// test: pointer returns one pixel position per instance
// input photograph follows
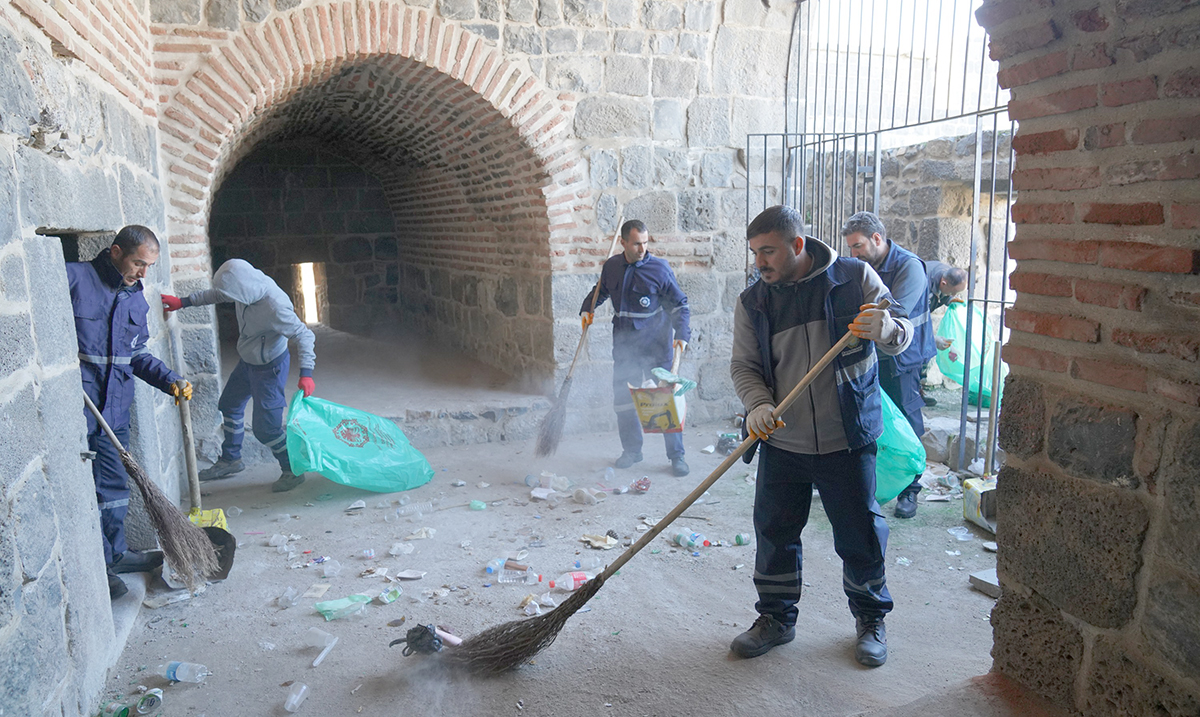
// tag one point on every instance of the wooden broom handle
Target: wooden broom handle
(103, 423)
(595, 298)
(732, 458)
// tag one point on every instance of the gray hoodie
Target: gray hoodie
(266, 318)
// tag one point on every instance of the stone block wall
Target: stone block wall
(1099, 537)
(77, 155)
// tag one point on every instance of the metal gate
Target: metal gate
(870, 82)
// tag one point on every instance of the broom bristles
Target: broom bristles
(512, 644)
(184, 545)
(551, 430)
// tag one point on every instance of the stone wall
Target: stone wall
(77, 155)
(1099, 536)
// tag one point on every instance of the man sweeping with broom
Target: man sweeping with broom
(648, 307)
(266, 320)
(110, 326)
(783, 324)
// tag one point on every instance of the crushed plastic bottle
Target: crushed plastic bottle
(295, 697)
(570, 582)
(183, 671)
(590, 562)
(401, 549)
(691, 540)
(415, 508)
(493, 567)
(516, 572)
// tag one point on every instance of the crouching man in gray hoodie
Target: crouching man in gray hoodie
(266, 320)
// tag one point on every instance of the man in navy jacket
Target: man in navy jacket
(649, 306)
(899, 376)
(110, 325)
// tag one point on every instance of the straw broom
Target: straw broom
(513, 643)
(550, 432)
(184, 545)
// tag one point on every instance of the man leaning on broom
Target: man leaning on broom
(110, 326)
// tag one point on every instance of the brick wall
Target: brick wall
(1099, 542)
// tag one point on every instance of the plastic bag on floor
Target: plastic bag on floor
(954, 327)
(352, 447)
(900, 455)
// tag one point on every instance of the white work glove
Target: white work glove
(874, 324)
(679, 345)
(759, 422)
(942, 344)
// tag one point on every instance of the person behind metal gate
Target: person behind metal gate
(945, 284)
(648, 307)
(111, 329)
(266, 320)
(900, 376)
(805, 300)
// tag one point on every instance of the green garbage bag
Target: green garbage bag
(352, 447)
(983, 351)
(900, 455)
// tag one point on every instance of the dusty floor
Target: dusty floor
(655, 641)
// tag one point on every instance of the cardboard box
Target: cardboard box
(979, 502)
(658, 409)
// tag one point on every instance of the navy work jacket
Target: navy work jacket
(912, 295)
(647, 304)
(110, 324)
(857, 365)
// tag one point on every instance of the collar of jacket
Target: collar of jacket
(639, 262)
(891, 262)
(108, 273)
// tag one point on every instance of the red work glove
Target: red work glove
(307, 385)
(171, 303)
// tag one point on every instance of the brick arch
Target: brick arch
(232, 89)
(467, 144)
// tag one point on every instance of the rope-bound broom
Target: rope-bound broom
(185, 546)
(513, 643)
(551, 429)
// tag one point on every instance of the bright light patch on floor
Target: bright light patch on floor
(308, 287)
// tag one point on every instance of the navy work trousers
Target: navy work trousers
(265, 385)
(905, 391)
(112, 489)
(631, 366)
(782, 499)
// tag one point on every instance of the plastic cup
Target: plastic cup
(295, 697)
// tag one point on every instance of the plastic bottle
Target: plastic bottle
(571, 581)
(494, 566)
(295, 697)
(691, 540)
(414, 508)
(610, 476)
(589, 562)
(183, 671)
(743, 539)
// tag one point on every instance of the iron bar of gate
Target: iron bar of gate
(971, 279)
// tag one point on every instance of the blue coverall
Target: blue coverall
(648, 306)
(110, 325)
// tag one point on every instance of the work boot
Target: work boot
(871, 649)
(930, 401)
(116, 586)
(286, 482)
(222, 469)
(679, 466)
(134, 561)
(627, 459)
(765, 633)
(906, 502)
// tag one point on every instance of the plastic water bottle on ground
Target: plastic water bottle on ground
(295, 696)
(691, 540)
(415, 508)
(588, 562)
(570, 582)
(743, 539)
(494, 567)
(183, 671)
(610, 476)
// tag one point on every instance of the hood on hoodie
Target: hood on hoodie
(239, 281)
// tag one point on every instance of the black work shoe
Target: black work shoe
(116, 586)
(871, 649)
(679, 466)
(286, 482)
(222, 469)
(930, 401)
(627, 459)
(765, 633)
(133, 561)
(906, 503)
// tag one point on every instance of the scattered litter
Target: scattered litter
(547, 600)
(356, 506)
(542, 493)
(315, 590)
(961, 532)
(743, 539)
(368, 553)
(477, 505)
(383, 504)
(277, 540)
(376, 572)
(266, 646)
(282, 517)
(588, 496)
(483, 484)
(330, 568)
(233, 511)
(389, 596)
(401, 549)
(600, 542)
(708, 449)
(396, 623)
(410, 574)
(295, 696)
(750, 478)
(459, 484)
(289, 598)
(739, 566)
(938, 498)
(986, 582)
(465, 544)
(953, 552)
(334, 609)
(990, 546)
(316, 637)
(156, 601)
(422, 534)
(641, 485)
(903, 561)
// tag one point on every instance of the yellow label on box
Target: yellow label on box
(209, 518)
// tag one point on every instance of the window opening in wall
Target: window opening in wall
(309, 292)
(308, 289)
(893, 106)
